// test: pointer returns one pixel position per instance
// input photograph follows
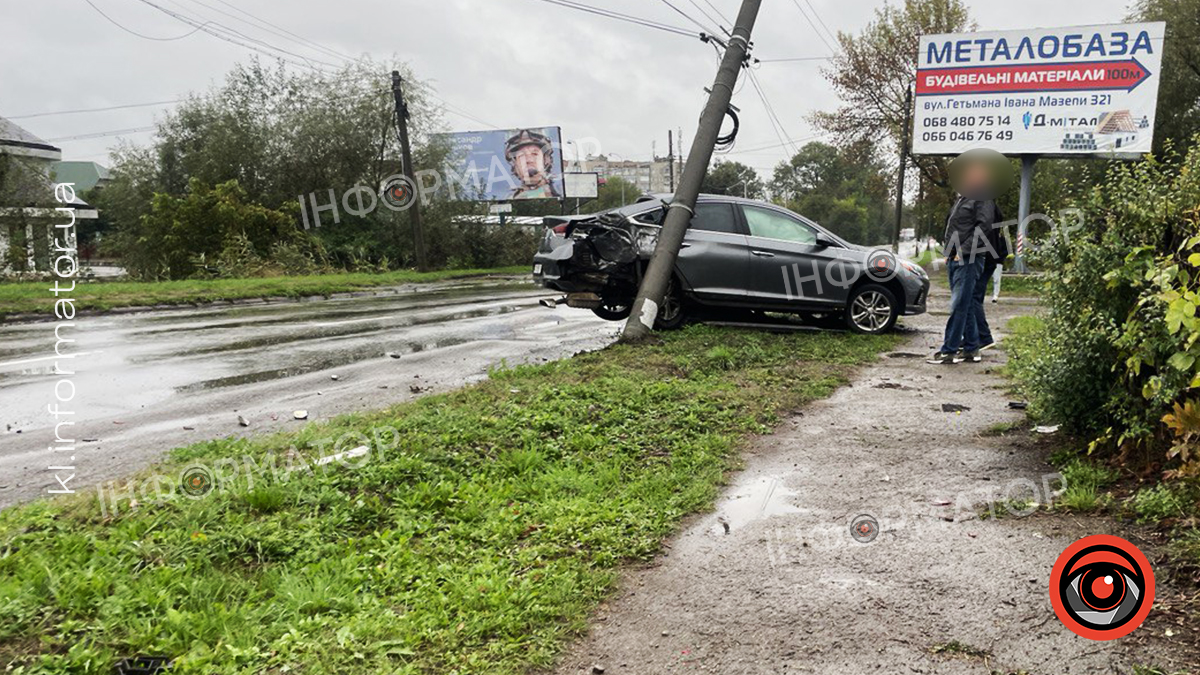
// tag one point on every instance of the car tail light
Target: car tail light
(560, 229)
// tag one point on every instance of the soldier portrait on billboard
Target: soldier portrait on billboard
(531, 156)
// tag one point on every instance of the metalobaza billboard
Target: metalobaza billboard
(504, 165)
(1084, 90)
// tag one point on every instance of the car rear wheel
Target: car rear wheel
(671, 314)
(613, 310)
(872, 309)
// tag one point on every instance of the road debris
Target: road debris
(242, 421)
(300, 414)
(1046, 429)
(954, 408)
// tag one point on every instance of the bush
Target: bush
(182, 236)
(1119, 350)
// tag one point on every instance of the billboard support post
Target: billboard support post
(1027, 162)
(683, 204)
(904, 131)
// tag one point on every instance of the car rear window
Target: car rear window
(715, 217)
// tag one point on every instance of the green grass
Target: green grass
(476, 545)
(1020, 286)
(32, 297)
(960, 649)
(1083, 479)
(1163, 501)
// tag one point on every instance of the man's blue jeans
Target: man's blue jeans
(981, 322)
(962, 332)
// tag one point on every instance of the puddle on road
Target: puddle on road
(374, 325)
(760, 499)
(326, 362)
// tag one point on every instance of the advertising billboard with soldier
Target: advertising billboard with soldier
(504, 165)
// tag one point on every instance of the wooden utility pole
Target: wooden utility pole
(671, 159)
(683, 205)
(406, 157)
(903, 165)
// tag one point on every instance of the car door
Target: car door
(714, 259)
(787, 265)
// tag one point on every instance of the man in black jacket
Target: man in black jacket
(970, 222)
(998, 244)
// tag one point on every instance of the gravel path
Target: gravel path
(772, 582)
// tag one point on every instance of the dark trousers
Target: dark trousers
(981, 322)
(962, 332)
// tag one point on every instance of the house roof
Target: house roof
(16, 140)
(85, 175)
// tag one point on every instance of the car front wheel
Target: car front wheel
(872, 309)
(613, 310)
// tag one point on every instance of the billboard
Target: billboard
(1085, 90)
(582, 185)
(503, 165)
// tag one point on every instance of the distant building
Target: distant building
(649, 175)
(84, 175)
(27, 200)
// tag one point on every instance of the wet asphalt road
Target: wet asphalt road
(143, 377)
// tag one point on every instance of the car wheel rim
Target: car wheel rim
(870, 311)
(671, 306)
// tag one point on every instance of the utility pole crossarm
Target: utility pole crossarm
(683, 204)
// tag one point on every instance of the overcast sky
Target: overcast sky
(508, 62)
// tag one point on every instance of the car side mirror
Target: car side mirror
(825, 242)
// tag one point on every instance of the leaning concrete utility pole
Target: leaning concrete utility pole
(406, 157)
(683, 204)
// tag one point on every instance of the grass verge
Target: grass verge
(476, 544)
(28, 297)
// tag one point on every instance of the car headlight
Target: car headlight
(914, 268)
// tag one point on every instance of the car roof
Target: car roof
(645, 201)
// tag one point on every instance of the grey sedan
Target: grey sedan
(737, 253)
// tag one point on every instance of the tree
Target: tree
(733, 178)
(614, 192)
(282, 135)
(1178, 116)
(873, 71)
(846, 190)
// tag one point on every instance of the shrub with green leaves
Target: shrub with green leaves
(1119, 346)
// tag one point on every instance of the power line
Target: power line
(714, 8)
(819, 20)
(689, 17)
(227, 38)
(622, 17)
(794, 58)
(91, 110)
(133, 32)
(810, 22)
(707, 16)
(273, 29)
(101, 134)
(788, 142)
(776, 124)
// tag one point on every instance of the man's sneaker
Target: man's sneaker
(972, 356)
(988, 345)
(945, 358)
